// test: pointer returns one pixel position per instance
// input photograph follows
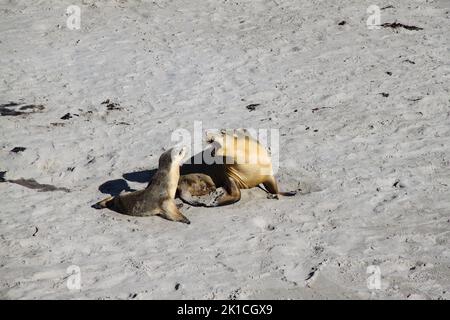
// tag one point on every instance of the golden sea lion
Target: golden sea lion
(240, 162)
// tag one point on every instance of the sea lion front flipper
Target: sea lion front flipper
(271, 185)
(171, 212)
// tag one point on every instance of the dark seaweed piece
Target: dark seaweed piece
(252, 107)
(67, 116)
(10, 104)
(18, 149)
(7, 109)
(32, 107)
(396, 25)
(113, 106)
(319, 108)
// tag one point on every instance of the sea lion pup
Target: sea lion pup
(158, 197)
(240, 162)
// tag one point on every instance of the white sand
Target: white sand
(169, 63)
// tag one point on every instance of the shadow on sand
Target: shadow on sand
(115, 187)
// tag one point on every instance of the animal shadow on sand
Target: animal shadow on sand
(116, 186)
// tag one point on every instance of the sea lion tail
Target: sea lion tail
(103, 203)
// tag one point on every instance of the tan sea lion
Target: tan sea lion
(158, 197)
(243, 164)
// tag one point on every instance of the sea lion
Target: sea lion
(158, 197)
(240, 162)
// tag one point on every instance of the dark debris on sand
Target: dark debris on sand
(18, 149)
(111, 105)
(17, 109)
(396, 25)
(69, 115)
(252, 107)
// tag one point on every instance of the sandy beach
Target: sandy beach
(363, 116)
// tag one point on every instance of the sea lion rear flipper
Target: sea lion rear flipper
(102, 204)
(272, 187)
(231, 195)
(171, 212)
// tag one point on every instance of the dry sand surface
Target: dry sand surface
(364, 120)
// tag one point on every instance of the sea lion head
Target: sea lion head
(219, 136)
(217, 139)
(239, 146)
(178, 153)
(225, 142)
(172, 156)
